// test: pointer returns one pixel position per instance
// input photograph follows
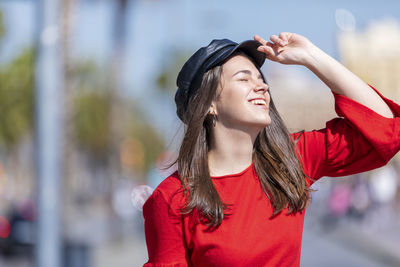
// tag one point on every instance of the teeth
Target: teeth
(258, 102)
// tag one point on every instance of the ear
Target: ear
(212, 109)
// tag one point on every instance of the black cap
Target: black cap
(205, 58)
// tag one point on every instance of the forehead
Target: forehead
(238, 62)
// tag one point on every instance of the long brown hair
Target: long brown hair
(275, 161)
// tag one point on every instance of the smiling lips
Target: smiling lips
(259, 102)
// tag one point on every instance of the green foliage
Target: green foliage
(92, 121)
(166, 79)
(150, 139)
(92, 118)
(90, 109)
(16, 98)
(86, 75)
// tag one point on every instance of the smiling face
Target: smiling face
(242, 96)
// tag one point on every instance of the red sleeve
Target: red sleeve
(164, 233)
(360, 141)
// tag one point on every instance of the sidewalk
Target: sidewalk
(351, 244)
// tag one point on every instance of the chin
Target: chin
(262, 123)
(265, 121)
(258, 122)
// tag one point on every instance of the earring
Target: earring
(214, 119)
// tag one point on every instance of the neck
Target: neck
(230, 150)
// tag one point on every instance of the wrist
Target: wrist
(313, 55)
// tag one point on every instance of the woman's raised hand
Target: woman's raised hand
(292, 48)
(287, 48)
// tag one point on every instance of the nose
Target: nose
(261, 86)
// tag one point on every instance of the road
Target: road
(345, 245)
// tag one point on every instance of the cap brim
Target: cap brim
(250, 48)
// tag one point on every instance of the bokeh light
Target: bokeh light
(139, 195)
(5, 227)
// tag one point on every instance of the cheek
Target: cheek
(233, 107)
(235, 93)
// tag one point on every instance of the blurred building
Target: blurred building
(374, 55)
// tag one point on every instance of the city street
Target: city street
(345, 245)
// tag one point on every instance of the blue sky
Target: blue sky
(158, 26)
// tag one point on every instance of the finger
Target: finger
(259, 39)
(284, 36)
(262, 47)
(269, 52)
(277, 40)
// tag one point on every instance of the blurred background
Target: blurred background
(115, 67)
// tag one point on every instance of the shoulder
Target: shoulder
(170, 185)
(169, 192)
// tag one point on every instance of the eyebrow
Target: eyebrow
(246, 72)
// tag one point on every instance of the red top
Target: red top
(362, 140)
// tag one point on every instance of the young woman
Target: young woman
(243, 181)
